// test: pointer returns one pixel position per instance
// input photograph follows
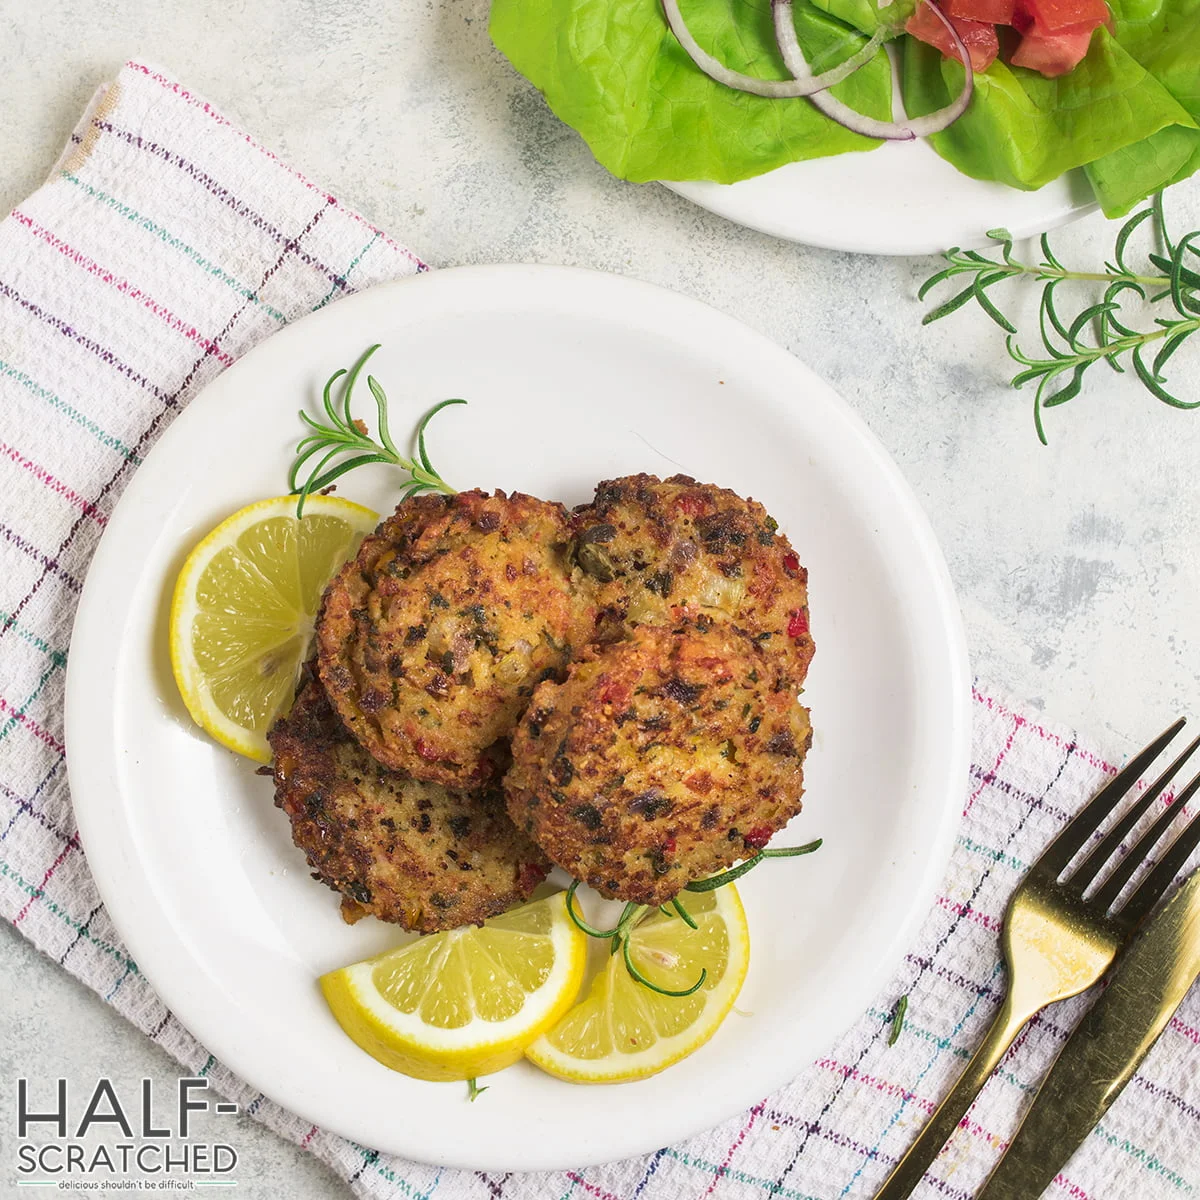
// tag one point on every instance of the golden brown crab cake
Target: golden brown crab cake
(433, 638)
(660, 759)
(396, 848)
(653, 548)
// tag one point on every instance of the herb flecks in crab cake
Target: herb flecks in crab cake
(404, 851)
(660, 759)
(432, 640)
(652, 549)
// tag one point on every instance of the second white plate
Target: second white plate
(898, 199)
(572, 377)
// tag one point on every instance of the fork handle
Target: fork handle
(910, 1170)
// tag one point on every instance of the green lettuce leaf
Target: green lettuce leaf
(1025, 130)
(1129, 113)
(613, 71)
(1124, 178)
(867, 16)
(1164, 37)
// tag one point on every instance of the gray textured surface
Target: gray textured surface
(1076, 564)
(52, 1027)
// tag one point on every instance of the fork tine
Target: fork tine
(1094, 863)
(1111, 888)
(1067, 844)
(1155, 885)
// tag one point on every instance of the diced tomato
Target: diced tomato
(1060, 16)
(978, 36)
(614, 692)
(1052, 54)
(995, 12)
(529, 875)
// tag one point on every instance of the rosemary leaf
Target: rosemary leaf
(1127, 231)
(579, 922)
(688, 919)
(716, 881)
(951, 305)
(638, 977)
(983, 282)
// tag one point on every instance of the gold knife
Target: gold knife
(1147, 986)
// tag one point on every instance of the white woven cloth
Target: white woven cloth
(165, 244)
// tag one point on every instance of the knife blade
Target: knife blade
(1146, 987)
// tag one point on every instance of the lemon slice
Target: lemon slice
(467, 1002)
(243, 612)
(623, 1030)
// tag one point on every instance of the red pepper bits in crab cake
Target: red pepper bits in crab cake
(656, 548)
(660, 759)
(398, 849)
(432, 640)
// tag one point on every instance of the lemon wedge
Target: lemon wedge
(623, 1030)
(243, 611)
(467, 1002)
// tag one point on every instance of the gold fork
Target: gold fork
(1056, 942)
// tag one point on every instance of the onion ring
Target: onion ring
(773, 89)
(843, 114)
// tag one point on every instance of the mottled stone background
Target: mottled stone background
(1076, 564)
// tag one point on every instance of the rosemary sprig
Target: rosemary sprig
(618, 937)
(1098, 332)
(346, 435)
(474, 1091)
(631, 914)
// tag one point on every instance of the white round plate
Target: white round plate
(572, 377)
(898, 199)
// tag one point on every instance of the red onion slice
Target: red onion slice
(843, 114)
(831, 106)
(807, 84)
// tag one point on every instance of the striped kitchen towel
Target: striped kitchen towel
(164, 245)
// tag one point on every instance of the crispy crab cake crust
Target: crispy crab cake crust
(404, 851)
(433, 638)
(651, 549)
(660, 759)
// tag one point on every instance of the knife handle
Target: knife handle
(909, 1171)
(1053, 1128)
(1107, 1047)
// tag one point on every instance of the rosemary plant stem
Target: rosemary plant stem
(1097, 331)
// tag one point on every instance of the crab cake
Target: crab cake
(401, 850)
(652, 547)
(432, 640)
(660, 759)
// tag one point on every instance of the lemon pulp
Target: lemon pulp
(466, 1002)
(623, 1030)
(244, 607)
